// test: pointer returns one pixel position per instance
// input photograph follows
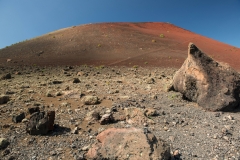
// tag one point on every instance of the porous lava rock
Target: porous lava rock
(128, 143)
(212, 85)
(40, 123)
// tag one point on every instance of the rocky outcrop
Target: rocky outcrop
(212, 85)
(40, 123)
(128, 143)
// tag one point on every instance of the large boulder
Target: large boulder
(128, 143)
(212, 85)
(40, 123)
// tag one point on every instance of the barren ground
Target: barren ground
(125, 65)
(196, 133)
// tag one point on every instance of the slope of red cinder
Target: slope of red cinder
(115, 44)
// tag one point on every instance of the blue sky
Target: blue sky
(26, 19)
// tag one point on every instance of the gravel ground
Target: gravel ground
(186, 127)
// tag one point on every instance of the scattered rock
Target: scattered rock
(6, 76)
(136, 116)
(106, 119)
(9, 60)
(48, 94)
(40, 123)
(212, 85)
(3, 143)
(92, 116)
(150, 112)
(76, 80)
(150, 81)
(131, 143)
(57, 82)
(18, 118)
(4, 99)
(32, 110)
(91, 100)
(75, 130)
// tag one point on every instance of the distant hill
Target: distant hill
(129, 44)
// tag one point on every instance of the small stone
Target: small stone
(76, 80)
(91, 100)
(32, 110)
(150, 112)
(176, 154)
(85, 148)
(226, 138)
(6, 76)
(18, 118)
(48, 94)
(4, 99)
(165, 128)
(230, 117)
(75, 130)
(215, 136)
(3, 143)
(105, 119)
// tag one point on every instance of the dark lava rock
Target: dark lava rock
(4, 99)
(18, 118)
(6, 76)
(33, 110)
(212, 85)
(3, 143)
(76, 80)
(40, 123)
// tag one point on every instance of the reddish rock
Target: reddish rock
(212, 85)
(128, 143)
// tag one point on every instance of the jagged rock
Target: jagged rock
(128, 143)
(3, 143)
(212, 85)
(91, 100)
(106, 118)
(40, 123)
(6, 76)
(18, 118)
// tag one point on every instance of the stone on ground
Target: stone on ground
(4, 99)
(136, 116)
(128, 143)
(40, 123)
(91, 100)
(3, 143)
(212, 85)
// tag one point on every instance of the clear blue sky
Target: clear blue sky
(25, 19)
